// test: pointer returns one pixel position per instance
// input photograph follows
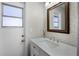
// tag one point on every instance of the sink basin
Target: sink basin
(48, 43)
(59, 50)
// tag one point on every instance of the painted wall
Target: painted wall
(78, 33)
(33, 21)
(68, 38)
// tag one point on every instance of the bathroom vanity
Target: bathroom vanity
(37, 51)
(45, 47)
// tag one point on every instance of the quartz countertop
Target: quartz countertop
(53, 49)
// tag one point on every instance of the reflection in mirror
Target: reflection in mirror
(58, 18)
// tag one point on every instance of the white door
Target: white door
(11, 38)
(12, 41)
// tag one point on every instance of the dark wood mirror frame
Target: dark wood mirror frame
(67, 25)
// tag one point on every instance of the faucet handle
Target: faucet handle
(57, 41)
(50, 38)
(53, 38)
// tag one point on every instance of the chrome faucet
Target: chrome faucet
(54, 39)
(44, 33)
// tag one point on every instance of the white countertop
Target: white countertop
(53, 49)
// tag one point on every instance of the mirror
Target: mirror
(58, 18)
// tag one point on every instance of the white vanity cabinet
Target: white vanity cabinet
(36, 51)
(42, 53)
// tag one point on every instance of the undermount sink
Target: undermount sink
(48, 43)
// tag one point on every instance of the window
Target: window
(12, 16)
(57, 21)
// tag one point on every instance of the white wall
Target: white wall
(72, 37)
(33, 21)
(78, 33)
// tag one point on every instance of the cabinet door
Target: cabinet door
(42, 53)
(34, 50)
(34, 53)
(37, 51)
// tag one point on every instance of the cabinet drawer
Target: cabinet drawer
(34, 47)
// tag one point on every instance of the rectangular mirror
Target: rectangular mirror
(58, 18)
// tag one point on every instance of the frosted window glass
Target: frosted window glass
(56, 25)
(12, 16)
(7, 21)
(55, 19)
(12, 11)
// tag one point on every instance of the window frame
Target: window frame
(11, 16)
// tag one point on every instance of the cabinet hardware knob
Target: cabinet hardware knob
(34, 55)
(33, 46)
